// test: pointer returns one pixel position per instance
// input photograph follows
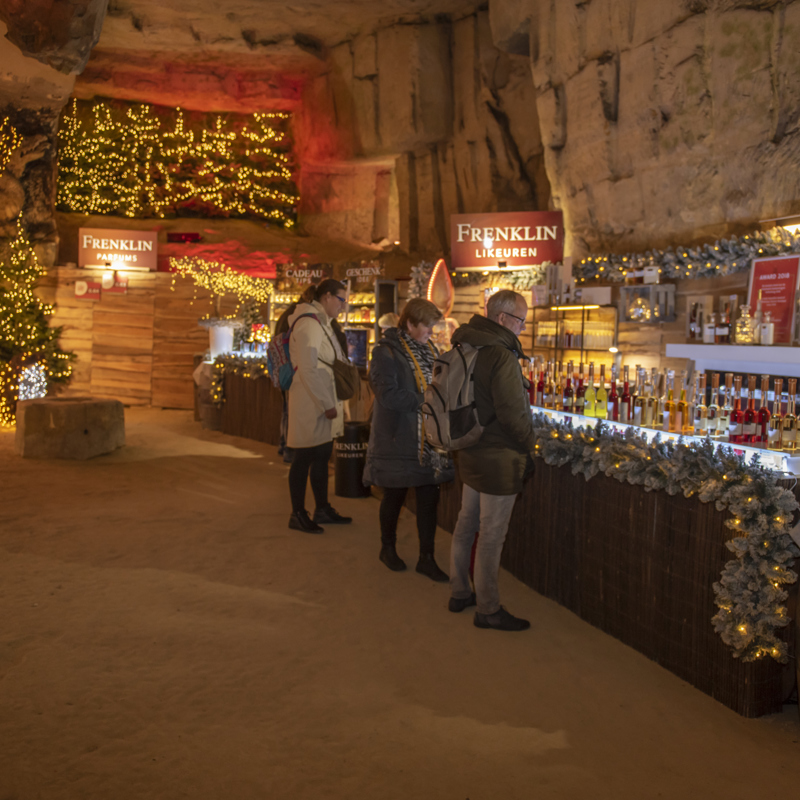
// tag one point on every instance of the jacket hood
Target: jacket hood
(309, 308)
(480, 332)
(391, 338)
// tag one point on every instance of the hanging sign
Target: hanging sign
(364, 273)
(100, 247)
(777, 280)
(512, 240)
(304, 273)
(87, 290)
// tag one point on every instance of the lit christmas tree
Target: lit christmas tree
(26, 340)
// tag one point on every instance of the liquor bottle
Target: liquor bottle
(789, 422)
(750, 423)
(569, 393)
(650, 418)
(538, 395)
(590, 395)
(580, 393)
(549, 387)
(722, 335)
(601, 396)
(762, 421)
(685, 422)
(670, 416)
(713, 407)
(725, 410)
(661, 401)
(767, 328)
(558, 392)
(700, 408)
(776, 418)
(625, 400)
(758, 316)
(531, 386)
(613, 397)
(736, 419)
(710, 329)
(640, 401)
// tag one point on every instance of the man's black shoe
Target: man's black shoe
(429, 568)
(391, 559)
(501, 621)
(300, 521)
(330, 516)
(458, 604)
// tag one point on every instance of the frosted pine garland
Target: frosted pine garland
(750, 593)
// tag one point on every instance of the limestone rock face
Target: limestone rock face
(459, 121)
(59, 34)
(78, 428)
(663, 122)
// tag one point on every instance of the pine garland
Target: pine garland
(749, 594)
(252, 367)
(724, 257)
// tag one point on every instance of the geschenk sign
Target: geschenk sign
(506, 240)
(99, 247)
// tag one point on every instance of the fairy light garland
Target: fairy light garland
(220, 279)
(32, 383)
(723, 257)
(10, 140)
(132, 161)
(229, 364)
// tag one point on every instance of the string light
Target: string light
(132, 161)
(32, 383)
(220, 279)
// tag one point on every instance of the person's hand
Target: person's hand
(331, 413)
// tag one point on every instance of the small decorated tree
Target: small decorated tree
(26, 339)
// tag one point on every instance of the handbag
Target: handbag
(345, 376)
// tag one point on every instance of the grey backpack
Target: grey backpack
(448, 411)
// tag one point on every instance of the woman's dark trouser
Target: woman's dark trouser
(427, 501)
(313, 460)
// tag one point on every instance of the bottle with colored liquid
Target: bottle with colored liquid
(750, 422)
(723, 425)
(700, 408)
(590, 395)
(580, 393)
(736, 418)
(613, 397)
(789, 422)
(713, 407)
(762, 421)
(601, 396)
(568, 402)
(685, 422)
(776, 418)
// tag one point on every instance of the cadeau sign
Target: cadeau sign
(98, 247)
(511, 240)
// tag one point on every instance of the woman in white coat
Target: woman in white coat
(315, 412)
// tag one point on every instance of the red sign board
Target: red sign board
(87, 290)
(100, 247)
(115, 284)
(776, 279)
(511, 240)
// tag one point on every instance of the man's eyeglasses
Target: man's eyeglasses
(521, 319)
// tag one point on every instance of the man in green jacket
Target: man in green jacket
(492, 470)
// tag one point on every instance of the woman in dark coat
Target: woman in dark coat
(398, 456)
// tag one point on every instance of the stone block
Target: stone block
(365, 56)
(466, 77)
(568, 19)
(552, 109)
(76, 427)
(786, 114)
(511, 22)
(365, 111)
(649, 20)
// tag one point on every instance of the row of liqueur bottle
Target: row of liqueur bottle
(664, 401)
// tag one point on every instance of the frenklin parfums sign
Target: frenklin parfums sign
(100, 246)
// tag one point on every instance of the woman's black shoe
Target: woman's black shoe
(391, 559)
(428, 567)
(330, 516)
(300, 521)
(458, 604)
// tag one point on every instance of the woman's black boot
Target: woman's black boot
(300, 521)
(428, 567)
(391, 559)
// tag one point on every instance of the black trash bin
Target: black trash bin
(350, 456)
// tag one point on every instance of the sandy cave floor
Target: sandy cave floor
(164, 635)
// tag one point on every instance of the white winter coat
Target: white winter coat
(313, 389)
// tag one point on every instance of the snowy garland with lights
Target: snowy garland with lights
(724, 257)
(420, 276)
(230, 364)
(749, 594)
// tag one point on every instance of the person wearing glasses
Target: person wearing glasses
(315, 412)
(493, 469)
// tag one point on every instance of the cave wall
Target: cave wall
(663, 122)
(454, 129)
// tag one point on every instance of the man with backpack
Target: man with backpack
(492, 469)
